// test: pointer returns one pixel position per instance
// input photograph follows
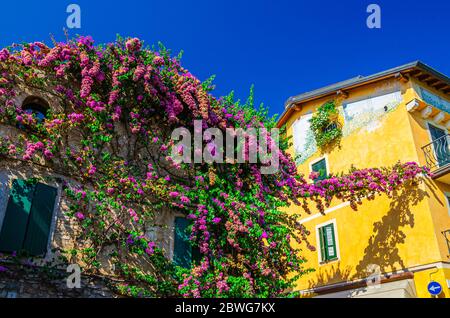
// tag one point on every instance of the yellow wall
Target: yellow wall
(438, 204)
(395, 234)
(422, 278)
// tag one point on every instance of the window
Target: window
(184, 254)
(321, 168)
(330, 127)
(327, 241)
(36, 106)
(26, 225)
(440, 145)
(37, 110)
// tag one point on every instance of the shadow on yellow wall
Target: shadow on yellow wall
(383, 244)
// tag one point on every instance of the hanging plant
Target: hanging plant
(325, 125)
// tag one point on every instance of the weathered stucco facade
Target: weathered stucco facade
(385, 118)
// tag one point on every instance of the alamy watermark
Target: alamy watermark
(251, 145)
(74, 279)
(374, 19)
(73, 21)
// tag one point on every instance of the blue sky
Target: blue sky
(283, 47)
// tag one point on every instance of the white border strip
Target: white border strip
(315, 216)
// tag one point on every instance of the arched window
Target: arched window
(37, 107)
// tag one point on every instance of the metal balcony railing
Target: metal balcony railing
(437, 153)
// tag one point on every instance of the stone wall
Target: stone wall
(64, 230)
(20, 281)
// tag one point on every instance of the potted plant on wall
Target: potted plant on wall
(325, 125)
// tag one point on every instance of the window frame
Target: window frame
(447, 201)
(7, 183)
(432, 123)
(438, 126)
(313, 162)
(320, 246)
(172, 243)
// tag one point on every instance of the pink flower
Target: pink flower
(12, 149)
(138, 74)
(79, 215)
(216, 220)
(133, 44)
(4, 54)
(92, 170)
(76, 118)
(184, 199)
(158, 60)
(48, 154)
(150, 248)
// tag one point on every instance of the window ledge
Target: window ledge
(328, 261)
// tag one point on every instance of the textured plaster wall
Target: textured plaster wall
(395, 234)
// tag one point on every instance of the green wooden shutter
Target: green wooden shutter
(16, 218)
(322, 245)
(182, 252)
(330, 242)
(38, 231)
(321, 168)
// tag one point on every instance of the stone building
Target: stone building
(33, 219)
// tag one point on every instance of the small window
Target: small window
(330, 127)
(26, 225)
(37, 110)
(36, 106)
(321, 168)
(184, 254)
(327, 241)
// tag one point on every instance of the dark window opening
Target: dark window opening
(37, 110)
(37, 107)
(330, 127)
(184, 253)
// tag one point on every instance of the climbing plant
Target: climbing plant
(110, 137)
(325, 125)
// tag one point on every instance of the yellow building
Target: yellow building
(402, 114)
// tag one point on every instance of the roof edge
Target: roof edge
(357, 81)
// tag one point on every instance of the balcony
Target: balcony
(437, 155)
